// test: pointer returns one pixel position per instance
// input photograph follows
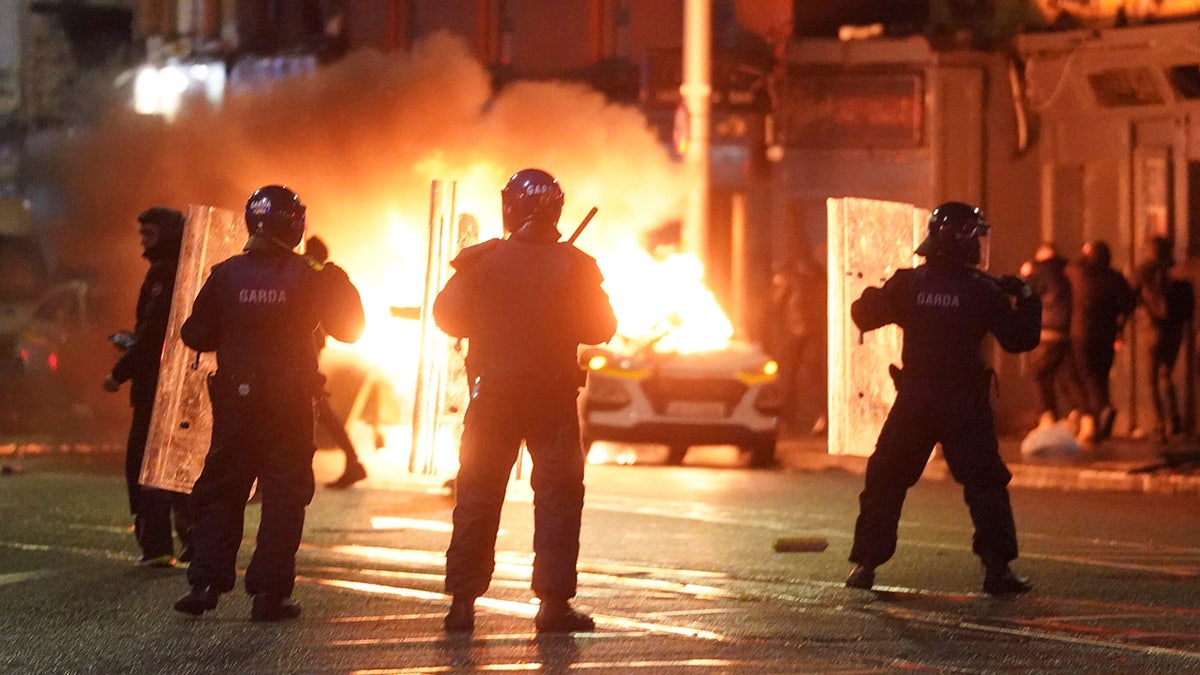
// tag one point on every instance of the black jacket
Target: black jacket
(1102, 301)
(259, 310)
(1049, 280)
(945, 310)
(139, 364)
(525, 307)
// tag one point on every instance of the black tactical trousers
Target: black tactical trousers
(274, 445)
(152, 508)
(1164, 352)
(960, 418)
(496, 423)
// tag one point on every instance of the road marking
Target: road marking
(18, 577)
(724, 665)
(512, 608)
(947, 620)
(73, 550)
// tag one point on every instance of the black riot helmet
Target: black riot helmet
(532, 202)
(276, 213)
(957, 231)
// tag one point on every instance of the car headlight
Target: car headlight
(623, 369)
(763, 374)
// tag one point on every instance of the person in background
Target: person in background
(1053, 365)
(354, 471)
(945, 308)
(258, 311)
(161, 232)
(1170, 303)
(1101, 302)
(794, 332)
(524, 304)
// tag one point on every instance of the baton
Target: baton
(579, 230)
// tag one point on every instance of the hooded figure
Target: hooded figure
(1101, 302)
(161, 232)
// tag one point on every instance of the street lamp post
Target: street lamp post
(696, 91)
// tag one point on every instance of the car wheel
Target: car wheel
(762, 453)
(675, 454)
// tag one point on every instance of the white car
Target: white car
(724, 397)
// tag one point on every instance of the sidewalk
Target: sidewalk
(1106, 468)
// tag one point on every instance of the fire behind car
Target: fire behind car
(636, 394)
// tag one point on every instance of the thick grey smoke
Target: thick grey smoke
(360, 141)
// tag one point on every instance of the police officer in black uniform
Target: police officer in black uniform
(945, 308)
(525, 303)
(258, 311)
(161, 232)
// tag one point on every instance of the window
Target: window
(1124, 87)
(1185, 80)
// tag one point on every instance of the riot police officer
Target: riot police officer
(945, 308)
(258, 311)
(525, 303)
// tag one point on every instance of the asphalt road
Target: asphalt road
(677, 567)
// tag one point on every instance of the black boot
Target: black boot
(198, 601)
(273, 608)
(558, 616)
(354, 473)
(1000, 580)
(862, 576)
(461, 617)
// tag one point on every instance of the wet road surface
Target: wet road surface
(677, 568)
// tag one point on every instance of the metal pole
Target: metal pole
(434, 355)
(696, 91)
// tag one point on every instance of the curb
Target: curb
(1097, 477)
(19, 450)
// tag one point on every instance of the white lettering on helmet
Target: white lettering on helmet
(260, 206)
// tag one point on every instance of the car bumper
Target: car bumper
(679, 434)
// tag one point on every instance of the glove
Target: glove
(1014, 286)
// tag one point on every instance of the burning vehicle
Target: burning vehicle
(639, 393)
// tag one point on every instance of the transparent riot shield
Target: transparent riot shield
(181, 426)
(868, 241)
(441, 396)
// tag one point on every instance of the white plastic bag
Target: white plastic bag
(1053, 441)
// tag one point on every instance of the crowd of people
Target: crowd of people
(1086, 307)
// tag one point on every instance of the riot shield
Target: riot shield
(868, 241)
(181, 426)
(441, 396)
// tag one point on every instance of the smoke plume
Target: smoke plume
(360, 141)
